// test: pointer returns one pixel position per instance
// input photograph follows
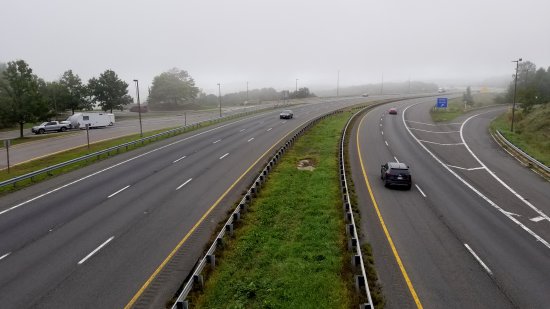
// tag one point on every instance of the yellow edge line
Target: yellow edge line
(390, 241)
(178, 246)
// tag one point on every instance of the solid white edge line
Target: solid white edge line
(250, 140)
(471, 187)
(183, 184)
(96, 250)
(225, 155)
(118, 191)
(479, 260)
(179, 159)
(440, 144)
(421, 192)
(115, 165)
(4, 256)
(505, 185)
(438, 132)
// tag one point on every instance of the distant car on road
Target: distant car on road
(286, 114)
(365, 95)
(392, 111)
(51, 126)
(396, 173)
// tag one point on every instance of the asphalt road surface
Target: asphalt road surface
(100, 237)
(473, 232)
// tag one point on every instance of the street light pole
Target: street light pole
(515, 87)
(139, 108)
(338, 84)
(220, 98)
(296, 86)
(246, 92)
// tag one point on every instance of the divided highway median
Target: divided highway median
(290, 249)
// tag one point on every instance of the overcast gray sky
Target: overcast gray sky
(270, 43)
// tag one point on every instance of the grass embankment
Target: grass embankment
(531, 131)
(455, 107)
(290, 250)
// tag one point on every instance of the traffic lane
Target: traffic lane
(440, 274)
(501, 240)
(524, 181)
(46, 214)
(121, 194)
(464, 163)
(88, 223)
(164, 225)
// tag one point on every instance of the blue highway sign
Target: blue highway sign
(441, 103)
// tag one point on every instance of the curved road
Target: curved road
(473, 231)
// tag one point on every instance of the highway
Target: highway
(126, 231)
(473, 232)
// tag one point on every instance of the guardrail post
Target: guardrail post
(356, 260)
(236, 217)
(349, 230)
(359, 282)
(352, 243)
(198, 281)
(229, 229)
(182, 304)
(211, 259)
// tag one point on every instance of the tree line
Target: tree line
(26, 98)
(175, 88)
(533, 87)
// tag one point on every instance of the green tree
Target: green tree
(55, 96)
(172, 89)
(21, 99)
(467, 97)
(109, 91)
(77, 92)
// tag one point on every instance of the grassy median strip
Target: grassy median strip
(290, 248)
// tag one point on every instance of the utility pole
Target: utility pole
(246, 92)
(515, 87)
(296, 86)
(382, 86)
(220, 98)
(338, 84)
(139, 108)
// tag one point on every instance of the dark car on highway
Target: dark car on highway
(286, 114)
(396, 173)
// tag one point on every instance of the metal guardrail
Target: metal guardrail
(179, 130)
(196, 279)
(523, 153)
(361, 281)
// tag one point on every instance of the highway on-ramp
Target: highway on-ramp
(100, 237)
(473, 232)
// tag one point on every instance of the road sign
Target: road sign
(441, 103)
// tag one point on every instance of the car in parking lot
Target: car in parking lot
(392, 111)
(286, 114)
(396, 173)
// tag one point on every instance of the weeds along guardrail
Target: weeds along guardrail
(48, 170)
(196, 279)
(534, 162)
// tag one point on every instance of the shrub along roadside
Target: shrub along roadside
(291, 250)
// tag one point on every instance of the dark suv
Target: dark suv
(395, 173)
